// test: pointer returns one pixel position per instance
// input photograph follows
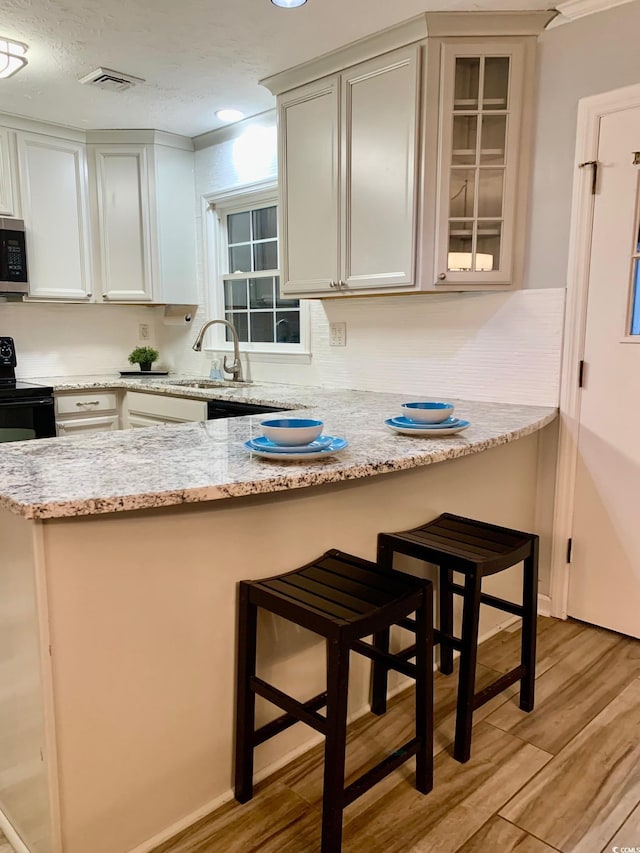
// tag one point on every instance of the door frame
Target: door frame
(590, 111)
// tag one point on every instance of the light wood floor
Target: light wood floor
(565, 777)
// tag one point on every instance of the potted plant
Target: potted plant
(144, 356)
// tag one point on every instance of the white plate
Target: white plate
(432, 432)
(336, 446)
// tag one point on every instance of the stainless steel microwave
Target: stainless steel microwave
(13, 257)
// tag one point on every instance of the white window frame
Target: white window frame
(231, 201)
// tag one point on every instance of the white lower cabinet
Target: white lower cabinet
(141, 410)
(86, 412)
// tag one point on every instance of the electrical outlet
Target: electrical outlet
(143, 331)
(337, 334)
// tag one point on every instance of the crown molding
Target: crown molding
(570, 10)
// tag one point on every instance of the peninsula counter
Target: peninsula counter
(120, 560)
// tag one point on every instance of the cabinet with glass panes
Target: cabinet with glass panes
(482, 163)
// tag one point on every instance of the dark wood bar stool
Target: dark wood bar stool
(343, 599)
(474, 549)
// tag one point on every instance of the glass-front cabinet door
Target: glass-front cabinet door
(481, 96)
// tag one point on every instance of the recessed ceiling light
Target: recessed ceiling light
(288, 4)
(229, 115)
(12, 56)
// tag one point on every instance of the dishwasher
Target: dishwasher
(233, 409)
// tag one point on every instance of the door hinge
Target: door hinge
(594, 173)
(581, 375)
(569, 549)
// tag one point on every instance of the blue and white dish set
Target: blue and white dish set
(294, 439)
(427, 418)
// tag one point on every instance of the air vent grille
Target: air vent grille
(113, 81)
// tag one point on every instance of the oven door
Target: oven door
(21, 420)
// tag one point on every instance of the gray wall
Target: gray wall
(586, 57)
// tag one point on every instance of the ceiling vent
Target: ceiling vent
(112, 81)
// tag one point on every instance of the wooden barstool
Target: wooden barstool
(475, 549)
(343, 599)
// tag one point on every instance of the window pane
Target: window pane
(265, 256)
(235, 294)
(238, 228)
(460, 246)
(494, 131)
(240, 259)
(488, 246)
(262, 326)
(490, 192)
(261, 292)
(466, 83)
(496, 83)
(240, 321)
(288, 327)
(464, 140)
(265, 223)
(462, 190)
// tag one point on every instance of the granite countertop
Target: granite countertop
(186, 463)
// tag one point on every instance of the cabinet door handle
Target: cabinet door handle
(442, 276)
(89, 403)
(342, 284)
(333, 284)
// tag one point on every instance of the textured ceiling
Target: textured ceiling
(195, 55)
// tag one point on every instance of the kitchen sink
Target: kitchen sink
(204, 383)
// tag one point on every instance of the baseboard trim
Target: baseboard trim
(544, 604)
(11, 835)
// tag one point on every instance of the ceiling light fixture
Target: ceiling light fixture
(288, 4)
(229, 115)
(12, 56)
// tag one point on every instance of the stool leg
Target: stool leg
(245, 697)
(468, 658)
(335, 745)
(445, 618)
(424, 693)
(380, 672)
(529, 628)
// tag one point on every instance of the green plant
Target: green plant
(143, 355)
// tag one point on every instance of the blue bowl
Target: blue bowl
(427, 412)
(291, 431)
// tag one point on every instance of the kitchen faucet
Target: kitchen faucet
(235, 368)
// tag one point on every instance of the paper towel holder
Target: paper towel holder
(179, 315)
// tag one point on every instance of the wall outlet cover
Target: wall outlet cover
(337, 334)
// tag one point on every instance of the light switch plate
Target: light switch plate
(337, 334)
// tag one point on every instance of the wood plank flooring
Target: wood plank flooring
(564, 778)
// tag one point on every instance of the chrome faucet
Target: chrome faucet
(235, 368)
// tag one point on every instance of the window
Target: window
(247, 287)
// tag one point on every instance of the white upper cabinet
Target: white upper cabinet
(310, 197)
(8, 201)
(143, 200)
(480, 162)
(53, 189)
(123, 239)
(394, 180)
(348, 178)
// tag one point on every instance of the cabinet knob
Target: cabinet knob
(333, 284)
(342, 284)
(442, 276)
(104, 296)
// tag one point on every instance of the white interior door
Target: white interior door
(604, 585)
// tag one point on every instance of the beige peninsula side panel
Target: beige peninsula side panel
(24, 799)
(142, 619)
